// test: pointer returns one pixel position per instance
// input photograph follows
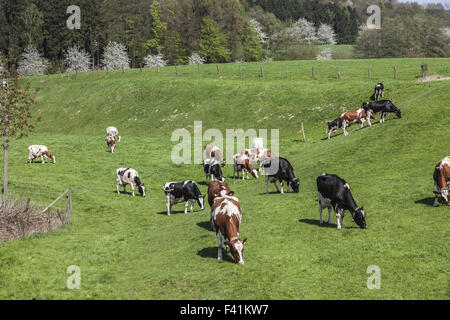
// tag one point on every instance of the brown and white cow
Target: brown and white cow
(35, 151)
(113, 132)
(216, 188)
(241, 162)
(226, 217)
(258, 156)
(441, 178)
(110, 144)
(354, 116)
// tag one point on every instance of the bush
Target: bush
(19, 220)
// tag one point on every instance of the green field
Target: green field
(128, 248)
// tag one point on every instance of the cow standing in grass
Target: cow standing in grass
(112, 132)
(355, 116)
(241, 162)
(110, 144)
(186, 191)
(384, 107)
(334, 126)
(334, 192)
(378, 92)
(129, 176)
(212, 163)
(226, 217)
(441, 177)
(35, 151)
(279, 169)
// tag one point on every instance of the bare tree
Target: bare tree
(32, 63)
(77, 60)
(115, 56)
(15, 114)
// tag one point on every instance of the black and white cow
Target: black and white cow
(334, 126)
(378, 92)
(279, 169)
(213, 172)
(334, 192)
(129, 176)
(383, 106)
(186, 191)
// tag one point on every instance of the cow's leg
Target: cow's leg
(276, 186)
(168, 205)
(267, 184)
(42, 159)
(117, 187)
(186, 204)
(288, 187)
(219, 246)
(132, 189)
(329, 215)
(320, 208)
(338, 219)
(243, 174)
(369, 114)
(192, 205)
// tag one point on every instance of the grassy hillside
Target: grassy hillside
(128, 248)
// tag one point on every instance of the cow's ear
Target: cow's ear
(231, 193)
(243, 240)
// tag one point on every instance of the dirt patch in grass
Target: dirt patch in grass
(434, 77)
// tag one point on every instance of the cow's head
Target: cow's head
(168, 187)
(398, 113)
(223, 163)
(52, 156)
(295, 184)
(365, 105)
(141, 189)
(237, 249)
(359, 216)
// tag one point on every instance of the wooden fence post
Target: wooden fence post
(368, 70)
(140, 66)
(287, 71)
(69, 206)
(302, 129)
(218, 70)
(395, 72)
(339, 73)
(313, 72)
(262, 71)
(240, 69)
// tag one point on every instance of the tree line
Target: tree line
(214, 30)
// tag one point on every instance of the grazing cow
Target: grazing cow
(110, 144)
(186, 191)
(241, 162)
(334, 192)
(216, 188)
(334, 126)
(355, 116)
(441, 178)
(35, 151)
(213, 161)
(258, 156)
(378, 92)
(112, 132)
(383, 106)
(226, 216)
(129, 176)
(4, 84)
(280, 169)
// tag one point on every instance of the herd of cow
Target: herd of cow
(225, 212)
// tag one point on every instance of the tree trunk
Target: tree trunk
(5, 163)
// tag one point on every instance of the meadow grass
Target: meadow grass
(128, 248)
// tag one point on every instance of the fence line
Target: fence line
(69, 205)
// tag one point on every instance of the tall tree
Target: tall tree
(213, 42)
(158, 28)
(15, 104)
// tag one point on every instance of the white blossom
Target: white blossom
(195, 58)
(305, 30)
(257, 26)
(153, 61)
(115, 56)
(32, 63)
(325, 54)
(325, 34)
(77, 60)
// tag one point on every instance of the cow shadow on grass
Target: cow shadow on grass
(205, 225)
(426, 201)
(211, 252)
(317, 223)
(173, 212)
